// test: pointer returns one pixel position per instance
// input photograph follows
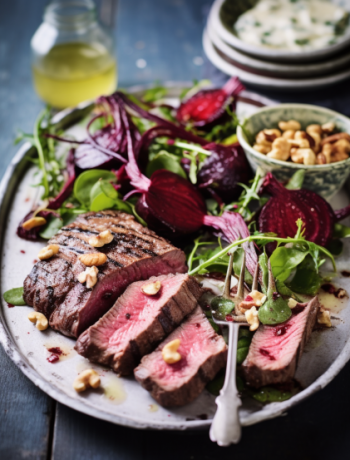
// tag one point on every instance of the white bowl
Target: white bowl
(263, 67)
(272, 54)
(222, 62)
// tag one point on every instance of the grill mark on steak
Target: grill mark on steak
(137, 323)
(137, 254)
(203, 355)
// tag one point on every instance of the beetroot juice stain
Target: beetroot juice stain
(56, 352)
(22, 251)
(10, 305)
(53, 358)
(345, 273)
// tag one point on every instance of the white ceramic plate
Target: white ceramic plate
(264, 81)
(122, 400)
(264, 67)
(271, 54)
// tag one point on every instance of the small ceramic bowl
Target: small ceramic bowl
(224, 14)
(326, 180)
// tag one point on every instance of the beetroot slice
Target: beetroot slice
(285, 207)
(208, 105)
(224, 170)
(175, 202)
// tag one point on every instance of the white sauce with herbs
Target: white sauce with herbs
(294, 25)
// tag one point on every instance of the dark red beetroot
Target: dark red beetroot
(135, 253)
(209, 105)
(138, 322)
(275, 350)
(203, 354)
(224, 170)
(285, 207)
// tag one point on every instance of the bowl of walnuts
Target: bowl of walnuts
(286, 137)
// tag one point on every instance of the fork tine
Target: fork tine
(227, 285)
(240, 287)
(255, 278)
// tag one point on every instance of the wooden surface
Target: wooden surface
(166, 34)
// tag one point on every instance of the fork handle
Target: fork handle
(226, 427)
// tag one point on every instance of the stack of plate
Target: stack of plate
(271, 68)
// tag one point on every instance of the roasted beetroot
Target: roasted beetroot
(224, 170)
(285, 207)
(209, 105)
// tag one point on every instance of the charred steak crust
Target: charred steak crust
(135, 253)
(204, 354)
(100, 343)
(263, 365)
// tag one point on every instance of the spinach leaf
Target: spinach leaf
(306, 279)
(275, 309)
(285, 291)
(335, 247)
(54, 224)
(243, 348)
(216, 385)
(86, 181)
(222, 306)
(15, 297)
(284, 260)
(341, 231)
(269, 394)
(296, 181)
(165, 160)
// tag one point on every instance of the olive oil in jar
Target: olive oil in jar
(72, 55)
(74, 72)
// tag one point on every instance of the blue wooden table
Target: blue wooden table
(156, 40)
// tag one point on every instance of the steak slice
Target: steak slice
(135, 253)
(137, 322)
(203, 354)
(275, 350)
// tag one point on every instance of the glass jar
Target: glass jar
(72, 55)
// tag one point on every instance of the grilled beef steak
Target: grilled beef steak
(203, 354)
(275, 350)
(137, 322)
(135, 253)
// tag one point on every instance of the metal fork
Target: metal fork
(226, 427)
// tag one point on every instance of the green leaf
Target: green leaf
(154, 94)
(222, 306)
(243, 348)
(101, 202)
(306, 279)
(296, 181)
(54, 224)
(335, 247)
(284, 260)
(270, 394)
(99, 187)
(215, 385)
(165, 160)
(285, 291)
(121, 205)
(274, 311)
(341, 231)
(15, 297)
(86, 181)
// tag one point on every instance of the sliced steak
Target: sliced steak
(275, 350)
(203, 354)
(137, 322)
(135, 253)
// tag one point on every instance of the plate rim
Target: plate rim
(278, 67)
(269, 82)
(8, 184)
